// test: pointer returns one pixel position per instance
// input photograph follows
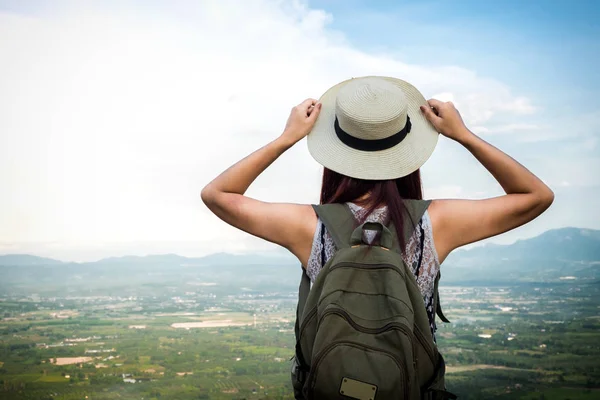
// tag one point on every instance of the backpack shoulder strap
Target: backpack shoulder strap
(413, 212)
(436, 301)
(339, 221)
(300, 367)
(303, 292)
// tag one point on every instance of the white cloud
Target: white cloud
(508, 128)
(446, 96)
(579, 130)
(520, 105)
(514, 128)
(580, 172)
(444, 192)
(590, 143)
(114, 118)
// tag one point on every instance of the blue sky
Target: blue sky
(114, 114)
(539, 46)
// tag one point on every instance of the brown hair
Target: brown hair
(338, 188)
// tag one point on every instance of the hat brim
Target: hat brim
(398, 161)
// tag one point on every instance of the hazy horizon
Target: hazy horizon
(282, 255)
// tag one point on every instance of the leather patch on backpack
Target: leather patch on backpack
(357, 389)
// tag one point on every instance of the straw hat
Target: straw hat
(372, 128)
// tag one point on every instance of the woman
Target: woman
(452, 223)
(372, 135)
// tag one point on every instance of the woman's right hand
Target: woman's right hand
(446, 119)
(458, 222)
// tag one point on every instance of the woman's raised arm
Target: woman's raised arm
(459, 222)
(288, 225)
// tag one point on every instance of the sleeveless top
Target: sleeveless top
(419, 247)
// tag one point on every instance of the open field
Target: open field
(70, 360)
(208, 324)
(455, 369)
(503, 343)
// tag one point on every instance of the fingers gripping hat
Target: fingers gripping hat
(372, 128)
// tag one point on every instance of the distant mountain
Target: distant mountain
(551, 255)
(26, 259)
(276, 258)
(573, 244)
(217, 259)
(165, 259)
(555, 254)
(224, 272)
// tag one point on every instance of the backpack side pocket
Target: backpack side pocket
(436, 388)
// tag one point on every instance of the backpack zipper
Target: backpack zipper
(366, 266)
(344, 314)
(389, 326)
(306, 320)
(420, 337)
(318, 358)
(341, 265)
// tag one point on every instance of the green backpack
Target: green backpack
(362, 330)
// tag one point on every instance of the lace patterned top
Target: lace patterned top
(419, 245)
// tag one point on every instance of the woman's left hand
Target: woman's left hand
(301, 121)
